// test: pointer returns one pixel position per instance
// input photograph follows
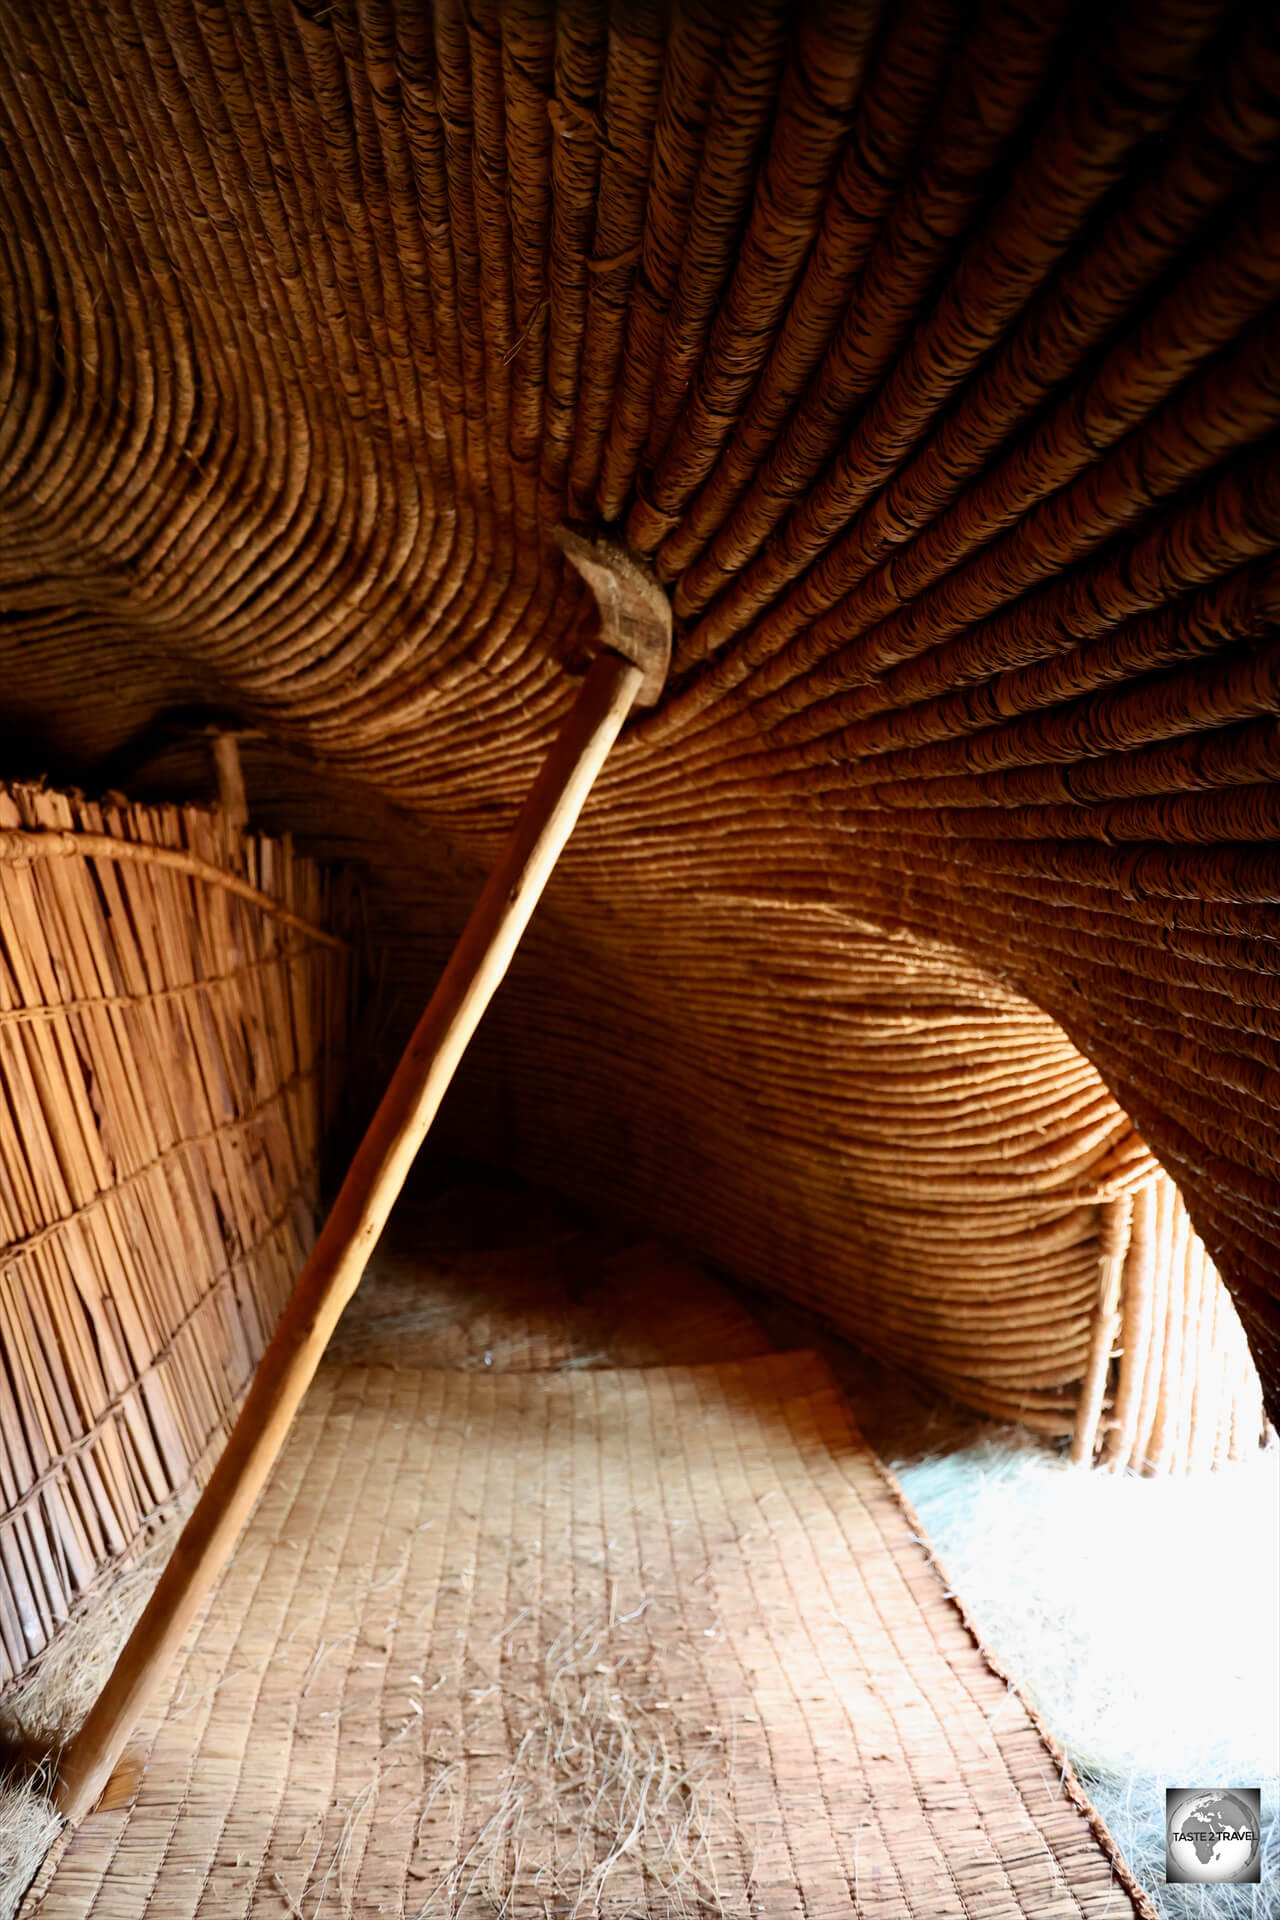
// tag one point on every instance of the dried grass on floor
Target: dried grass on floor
(39, 1716)
(389, 1692)
(29, 1825)
(609, 1778)
(606, 1778)
(511, 1314)
(565, 1294)
(42, 1712)
(1140, 1616)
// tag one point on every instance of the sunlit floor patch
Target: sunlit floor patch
(1139, 1615)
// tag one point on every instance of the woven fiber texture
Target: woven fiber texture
(170, 1053)
(530, 1308)
(958, 1192)
(928, 353)
(451, 1579)
(1160, 1375)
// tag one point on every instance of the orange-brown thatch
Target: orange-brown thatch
(930, 356)
(172, 1016)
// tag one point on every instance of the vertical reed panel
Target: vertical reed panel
(1184, 1365)
(168, 1058)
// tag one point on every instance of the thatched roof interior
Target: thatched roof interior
(929, 356)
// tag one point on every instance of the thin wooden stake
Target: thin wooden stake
(341, 1253)
(1115, 1217)
(233, 803)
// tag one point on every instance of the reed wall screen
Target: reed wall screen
(173, 1012)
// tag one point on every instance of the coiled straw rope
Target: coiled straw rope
(931, 354)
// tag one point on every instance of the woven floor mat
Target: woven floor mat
(634, 1643)
(557, 1304)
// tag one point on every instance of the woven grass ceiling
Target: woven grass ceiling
(929, 353)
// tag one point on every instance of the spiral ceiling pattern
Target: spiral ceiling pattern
(929, 353)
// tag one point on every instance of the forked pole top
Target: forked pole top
(635, 613)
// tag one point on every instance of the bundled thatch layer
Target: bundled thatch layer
(960, 1193)
(172, 1011)
(930, 353)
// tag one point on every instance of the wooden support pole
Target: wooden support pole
(1114, 1221)
(233, 801)
(341, 1253)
